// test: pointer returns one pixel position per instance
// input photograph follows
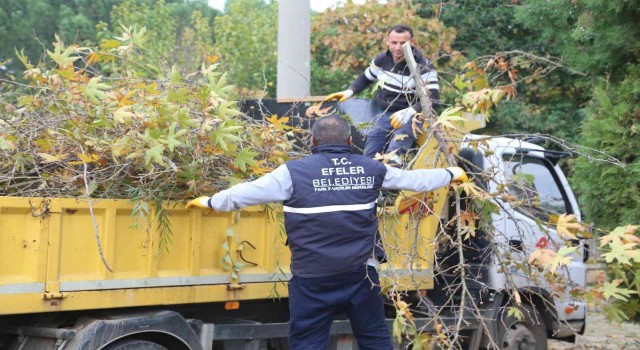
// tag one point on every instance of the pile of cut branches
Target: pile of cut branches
(96, 122)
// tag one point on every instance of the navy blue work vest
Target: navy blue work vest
(330, 218)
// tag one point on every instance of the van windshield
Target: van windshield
(537, 190)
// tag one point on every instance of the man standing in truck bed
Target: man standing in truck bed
(396, 101)
(330, 218)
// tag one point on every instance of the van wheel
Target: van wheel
(529, 333)
(134, 344)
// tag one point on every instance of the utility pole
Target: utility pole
(294, 53)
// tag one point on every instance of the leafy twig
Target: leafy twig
(96, 230)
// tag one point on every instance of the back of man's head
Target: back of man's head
(331, 129)
(401, 28)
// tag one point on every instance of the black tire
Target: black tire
(529, 333)
(278, 344)
(134, 344)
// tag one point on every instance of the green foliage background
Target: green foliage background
(30, 25)
(247, 37)
(547, 102)
(602, 39)
(592, 100)
(611, 195)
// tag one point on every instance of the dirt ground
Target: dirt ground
(602, 335)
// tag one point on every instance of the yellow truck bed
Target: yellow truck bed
(49, 259)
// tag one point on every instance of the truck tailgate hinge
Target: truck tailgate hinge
(233, 286)
(49, 296)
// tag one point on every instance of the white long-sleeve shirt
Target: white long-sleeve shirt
(276, 186)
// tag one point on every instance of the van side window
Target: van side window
(536, 187)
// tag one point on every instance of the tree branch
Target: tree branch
(427, 106)
(538, 58)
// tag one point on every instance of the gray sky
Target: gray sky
(316, 5)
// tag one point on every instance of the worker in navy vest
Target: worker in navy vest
(329, 203)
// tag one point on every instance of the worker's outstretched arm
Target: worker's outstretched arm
(273, 187)
(421, 180)
(340, 96)
(365, 79)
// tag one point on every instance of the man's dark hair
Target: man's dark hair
(401, 28)
(331, 129)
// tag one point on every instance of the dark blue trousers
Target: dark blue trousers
(382, 134)
(314, 301)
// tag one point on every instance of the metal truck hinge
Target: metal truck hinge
(40, 209)
(49, 296)
(233, 286)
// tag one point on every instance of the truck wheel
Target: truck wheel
(278, 344)
(529, 333)
(134, 344)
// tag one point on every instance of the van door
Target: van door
(539, 194)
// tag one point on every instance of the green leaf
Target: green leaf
(223, 133)
(225, 246)
(6, 145)
(24, 59)
(565, 250)
(62, 55)
(172, 138)
(203, 95)
(229, 232)
(417, 345)
(228, 108)
(379, 84)
(225, 265)
(25, 100)
(95, 91)
(121, 115)
(622, 252)
(450, 115)
(611, 290)
(175, 76)
(92, 187)
(496, 95)
(614, 312)
(460, 83)
(244, 158)
(515, 312)
(181, 95)
(281, 271)
(396, 329)
(154, 155)
(561, 258)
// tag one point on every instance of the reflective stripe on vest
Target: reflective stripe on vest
(329, 208)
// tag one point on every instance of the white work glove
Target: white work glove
(402, 117)
(200, 202)
(458, 175)
(340, 96)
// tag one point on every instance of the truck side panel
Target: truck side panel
(23, 248)
(49, 259)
